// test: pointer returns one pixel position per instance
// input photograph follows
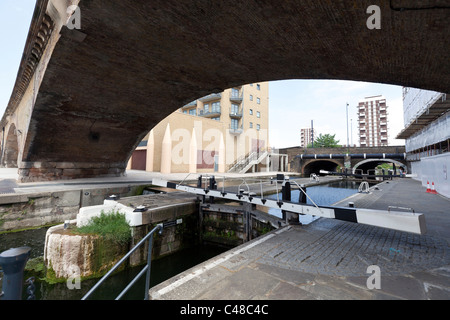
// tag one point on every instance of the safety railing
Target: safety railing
(146, 270)
(364, 187)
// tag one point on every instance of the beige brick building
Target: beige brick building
(220, 132)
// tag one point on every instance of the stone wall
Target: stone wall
(69, 254)
(24, 211)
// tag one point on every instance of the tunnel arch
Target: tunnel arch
(11, 148)
(376, 162)
(315, 166)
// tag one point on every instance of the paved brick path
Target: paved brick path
(329, 259)
(348, 249)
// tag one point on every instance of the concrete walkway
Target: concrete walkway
(9, 184)
(331, 259)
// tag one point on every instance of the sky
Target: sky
(292, 103)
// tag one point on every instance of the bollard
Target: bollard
(286, 191)
(13, 263)
(302, 196)
(285, 196)
(280, 177)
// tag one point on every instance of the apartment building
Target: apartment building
(306, 136)
(427, 137)
(210, 134)
(372, 121)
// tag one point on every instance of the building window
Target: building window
(215, 107)
(258, 127)
(206, 108)
(234, 109)
(235, 93)
(251, 97)
(258, 114)
(251, 125)
(193, 112)
(234, 124)
(216, 118)
(251, 111)
(185, 111)
(258, 87)
(258, 100)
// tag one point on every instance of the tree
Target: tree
(325, 141)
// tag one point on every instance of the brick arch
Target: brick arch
(11, 148)
(396, 162)
(327, 164)
(135, 62)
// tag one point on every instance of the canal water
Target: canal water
(322, 195)
(163, 268)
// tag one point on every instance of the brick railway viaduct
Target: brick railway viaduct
(84, 98)
(312, 160)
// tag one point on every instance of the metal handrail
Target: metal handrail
(363, 187)
(312, 201)
(146, 269)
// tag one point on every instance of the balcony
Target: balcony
(211, 97)
(190, 105)
(236, 115)
(236, 97)
(236, 130)
(210, 114)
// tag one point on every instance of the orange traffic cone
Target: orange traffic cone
(433, 190)
(428, 187)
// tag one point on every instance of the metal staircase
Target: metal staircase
(244, 163)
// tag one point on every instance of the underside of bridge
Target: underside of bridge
(132, 63)
(370, 165)
(316, 166)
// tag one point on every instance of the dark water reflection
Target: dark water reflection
(162, 269)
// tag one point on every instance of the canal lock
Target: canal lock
(221, 224)
(219, 229)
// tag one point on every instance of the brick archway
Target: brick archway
(397, 163)
(133, 63)
(314, 166)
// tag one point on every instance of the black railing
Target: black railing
(146, 270)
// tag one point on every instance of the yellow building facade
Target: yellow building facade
(224, 132)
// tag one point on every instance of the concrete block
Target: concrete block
(86, 213)
(66, 198)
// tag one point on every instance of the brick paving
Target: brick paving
(329, 259)
(348, 249)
